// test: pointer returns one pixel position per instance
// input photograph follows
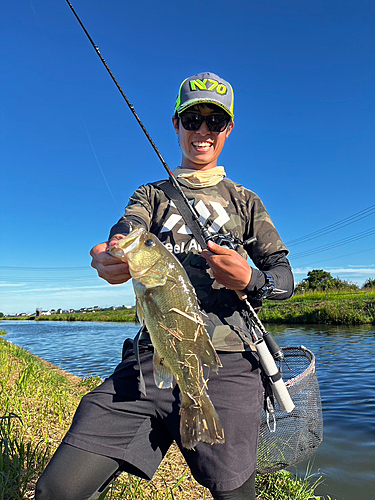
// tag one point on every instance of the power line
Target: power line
(341, 256)
(336, 244)
(367, 212)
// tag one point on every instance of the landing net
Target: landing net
(299, 433)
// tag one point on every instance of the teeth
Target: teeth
(202, 144)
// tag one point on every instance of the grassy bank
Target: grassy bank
(330, 308)
(37, 402)
(122, 314)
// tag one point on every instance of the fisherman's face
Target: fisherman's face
(201, 148)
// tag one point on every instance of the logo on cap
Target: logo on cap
(205, 88)
(214, 85)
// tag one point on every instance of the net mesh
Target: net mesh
(299, 433)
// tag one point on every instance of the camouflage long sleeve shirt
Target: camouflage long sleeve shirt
(223, 208)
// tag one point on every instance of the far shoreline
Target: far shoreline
(323, 307)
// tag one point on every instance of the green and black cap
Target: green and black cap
(205, 88)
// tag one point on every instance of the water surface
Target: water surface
(345, 366)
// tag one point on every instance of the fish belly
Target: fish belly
(181, 348)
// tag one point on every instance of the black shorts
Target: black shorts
(116, 420)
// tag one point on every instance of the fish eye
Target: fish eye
(149, 243)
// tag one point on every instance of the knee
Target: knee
(244, 492)
(47, 489)
(43, 490)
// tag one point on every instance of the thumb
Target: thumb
(219, 250)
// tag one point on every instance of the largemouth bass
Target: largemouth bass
(167, 303)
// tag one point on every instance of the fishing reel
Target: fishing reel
(228, 240)
(225, 240)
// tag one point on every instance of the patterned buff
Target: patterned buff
(199, 178)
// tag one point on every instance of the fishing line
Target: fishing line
(58, 73)
(202, 234)
(98, 163)
(47, 44)
(194, 214)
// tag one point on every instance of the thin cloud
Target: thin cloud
(3, 285)
(65, 289)
(337, 270)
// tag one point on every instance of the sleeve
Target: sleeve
(278, 268)
(273, 277)
(138, 212)
(260, 226)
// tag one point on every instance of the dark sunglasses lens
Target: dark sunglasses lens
(191, 121)
(217, 123)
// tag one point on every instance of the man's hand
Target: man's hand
(109, 268)
(228, 267)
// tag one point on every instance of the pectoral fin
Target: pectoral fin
(210, 357)
(162, 376)
(139, 312)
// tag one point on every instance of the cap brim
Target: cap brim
(192, 102)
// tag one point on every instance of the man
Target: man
(125, 426)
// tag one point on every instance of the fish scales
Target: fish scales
(167, 303)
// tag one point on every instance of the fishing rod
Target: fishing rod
(267, 348)
(269, 352)
(206, 235)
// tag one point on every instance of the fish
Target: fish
(168, 305)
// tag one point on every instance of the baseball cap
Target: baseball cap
(205, 88)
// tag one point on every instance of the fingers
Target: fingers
(219, 250)
(117, 237)
(108, 267)
(229, 268)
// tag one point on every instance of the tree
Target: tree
(318, 279)
(369, 283)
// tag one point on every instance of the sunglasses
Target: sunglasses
(193, 121)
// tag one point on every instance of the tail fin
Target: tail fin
(199, 422)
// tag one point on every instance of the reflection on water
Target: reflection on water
(345, 366)
(81, 348)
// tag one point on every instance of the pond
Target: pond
(345, 366)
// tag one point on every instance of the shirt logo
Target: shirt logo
(204, 213)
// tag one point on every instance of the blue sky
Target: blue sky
(72, 153)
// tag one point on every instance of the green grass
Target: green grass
(20, 462)
(118, 315)
(126, 316)
(37, 402)
(285, 486)
(332, 308)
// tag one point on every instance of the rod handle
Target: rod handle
(278, 386)
(273, 347)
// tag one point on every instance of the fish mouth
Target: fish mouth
(131, 241)
(128, 244)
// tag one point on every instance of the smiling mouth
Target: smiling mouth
(202, 145)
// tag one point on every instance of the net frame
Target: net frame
(299, 433)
